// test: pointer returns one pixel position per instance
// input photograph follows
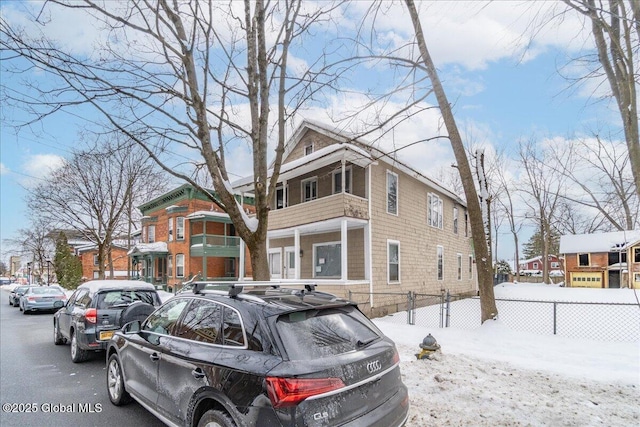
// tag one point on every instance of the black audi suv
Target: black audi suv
(245, 355)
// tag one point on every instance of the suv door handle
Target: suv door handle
(197, 373)
(154, 357)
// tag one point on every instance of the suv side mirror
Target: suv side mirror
(131, 327)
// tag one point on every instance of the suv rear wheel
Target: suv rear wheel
(215, 418)
(77, 354)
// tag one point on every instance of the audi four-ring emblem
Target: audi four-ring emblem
(374, 366)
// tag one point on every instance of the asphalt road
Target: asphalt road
(40, 386)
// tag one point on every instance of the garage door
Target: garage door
(586, 280)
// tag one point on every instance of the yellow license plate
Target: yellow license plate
(105, 335)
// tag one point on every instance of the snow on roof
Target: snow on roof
(146, 248)
(200, 214)
(598, 242)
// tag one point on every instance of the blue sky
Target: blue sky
(502, 92)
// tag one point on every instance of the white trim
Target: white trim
(368, 253)
(296, 245)
(302, 184)
(313, 260)
(395, 282)
(286, 268)
(344, 256)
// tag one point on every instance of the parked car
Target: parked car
(42, 298)
(97, 309)
(262, 356)
(16, 293)
(5, 281)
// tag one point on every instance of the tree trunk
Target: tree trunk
(483, 258)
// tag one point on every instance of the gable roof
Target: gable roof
(598, 242)
(346, 138)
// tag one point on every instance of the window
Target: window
(535, 265)
(179, 228)
(466, 224)
(327, 259)
(179, 265)
(636, 277)
(434, 210)
(233, 333)
(440, 262)
(308, 148)
(583, 260)
(281, 197)
(455, 220)
(309, 189)
(459, 266)
(636, 254)
(152, 234)
(555, 265)
(393, 261)
(170, 266)
(337, 180)
(392, 193)
(163, 320)
(95, 259)
(470, 266)
(171, 229)
(202, 322)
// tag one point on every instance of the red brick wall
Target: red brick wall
(120, 263)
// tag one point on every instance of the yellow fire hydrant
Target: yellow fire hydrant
(428, 346)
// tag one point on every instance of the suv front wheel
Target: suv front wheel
(215, 418)
(115, 383)
(77, 354)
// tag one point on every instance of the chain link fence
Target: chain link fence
(588, 320)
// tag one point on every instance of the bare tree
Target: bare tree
(191, 81)
(90, 193)
(543, 192)
(600, 170)
(615, 27)
(481, 248)
(35, 245)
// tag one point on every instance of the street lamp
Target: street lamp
(28, 273)
(48, 266)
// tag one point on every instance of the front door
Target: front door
(289, 263)
(275, 263)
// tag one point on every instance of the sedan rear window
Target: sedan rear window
(319, 333)
(123, 298)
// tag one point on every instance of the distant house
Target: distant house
(602, 260)
(535, 265)
(184, 233)
(88, 255)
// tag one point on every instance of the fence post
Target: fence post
(409, 309)
(448, 312)
(555, 317)
(441, 308)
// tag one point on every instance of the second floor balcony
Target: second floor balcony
(215, 245)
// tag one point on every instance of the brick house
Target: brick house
(602, 260)
(88, 255)
(183, 234)
(535, 265)
(360, 222)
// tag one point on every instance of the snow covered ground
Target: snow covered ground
(494, 376)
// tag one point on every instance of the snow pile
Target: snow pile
(493, 376)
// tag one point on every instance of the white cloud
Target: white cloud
(3, 169)
(39, 166)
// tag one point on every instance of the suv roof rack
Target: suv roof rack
(233, 289)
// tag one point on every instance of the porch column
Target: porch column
(367, 251)
(343, 249)
(296, 248)
(342, 175)
(241, 261)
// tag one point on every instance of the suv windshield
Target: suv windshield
(123, 298)
(320, 333)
